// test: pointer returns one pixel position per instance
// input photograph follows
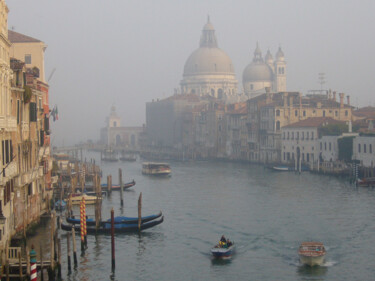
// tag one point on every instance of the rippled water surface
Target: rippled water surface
(267, 214)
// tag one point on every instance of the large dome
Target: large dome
(257, 71)
(207, 60)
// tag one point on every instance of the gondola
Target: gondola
(120, 219)
(117, 187)
(119, 227)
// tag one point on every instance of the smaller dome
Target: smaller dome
(257, 71)
(280, 54)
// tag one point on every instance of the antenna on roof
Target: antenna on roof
(52, 72)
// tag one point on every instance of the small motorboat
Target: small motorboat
(60, 205)
(223, 249)
(311, 253)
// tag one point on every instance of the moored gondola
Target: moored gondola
(119, 219)
(119, 227)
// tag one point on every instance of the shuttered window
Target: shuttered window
(33, 112)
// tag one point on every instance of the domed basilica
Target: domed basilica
(209, 71)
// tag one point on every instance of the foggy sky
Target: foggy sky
(126, 53)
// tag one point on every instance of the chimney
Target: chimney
(348, 100)
(334, 95)
(341, 99)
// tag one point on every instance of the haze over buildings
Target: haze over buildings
(128, 53)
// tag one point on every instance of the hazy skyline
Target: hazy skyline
(126, 53)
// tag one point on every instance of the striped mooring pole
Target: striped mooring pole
(33, 273)
(83, 222)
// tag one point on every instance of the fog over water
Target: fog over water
(126, 53)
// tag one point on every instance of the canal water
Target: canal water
(267, 214)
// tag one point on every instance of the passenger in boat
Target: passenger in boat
(229, 243)
(223, 241)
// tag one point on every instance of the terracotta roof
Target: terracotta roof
(16, 37)
(314, 122)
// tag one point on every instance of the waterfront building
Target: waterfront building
(8, 167)
(236, 131)
(302, 141)
(364, 150)
(269, 112)
(264, 73)
(25, 179)
(209, 71)
(115, 135)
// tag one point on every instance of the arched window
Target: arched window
(278, 112)
(220, 93)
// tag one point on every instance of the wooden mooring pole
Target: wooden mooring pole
(74, 247)
(139, 211)
(121, 185)
(68, 250)
(113, 240)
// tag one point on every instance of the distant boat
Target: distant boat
(311, 253)
(281, 168)
(109, 155)
(128, 157)
(60, 205)
(156, 169)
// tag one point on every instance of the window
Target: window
(292, 135)
(297, 136)
(303, 136)
(346, 113)
(312, 135)
(336, 113)
(307, 135)
(278, 112)
(304, 113)
(321, 146)
(364, 148)
(33, 113)
(288, 135)
(359, 148)
(296, 113)
(325, 146)
(324, 113)
(330, 147)
(278, 125)
(370, 148)
(28, 59)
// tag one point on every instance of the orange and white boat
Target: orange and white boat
(312, 253)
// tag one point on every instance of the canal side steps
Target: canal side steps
(11, 256)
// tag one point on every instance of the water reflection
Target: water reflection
(311, 271)
(221, 262)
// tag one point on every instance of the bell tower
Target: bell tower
(280, 72)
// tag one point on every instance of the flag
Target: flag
(57, 113)
(53, 114)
